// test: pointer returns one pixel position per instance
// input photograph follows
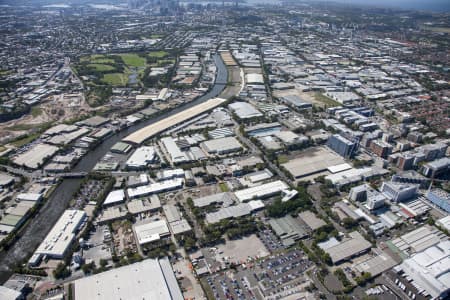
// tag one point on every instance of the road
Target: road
(320, 286)
(255, 150)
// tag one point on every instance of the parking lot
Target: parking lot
(277, 275)
(270, 240)
(89, 191)
(97, 246)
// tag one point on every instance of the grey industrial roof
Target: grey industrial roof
(348, 247)
(225, 199)
(288, 228)
(312, 161)
(311, 220)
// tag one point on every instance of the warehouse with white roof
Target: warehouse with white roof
(142, 157)
(59, 239)
(148, 279)
(151, 233)
(430, 270)
(261, 191)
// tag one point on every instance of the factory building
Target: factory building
(430, 270)
(148, 279)
(142, 157)
(222, 146)
(59, 239)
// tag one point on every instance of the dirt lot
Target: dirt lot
(57, 108)
(240, 250)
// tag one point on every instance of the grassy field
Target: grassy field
(115, 79)
(282, 159)
(158, 54)
(223, 187)
(326, 100)
(28, 139)
(133, 60)
(24, 127)
(101, 67)
(36, 111)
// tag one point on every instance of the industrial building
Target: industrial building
(261, 191)
(170, 174)
(225, 199)
(155, 188)
(152, 234)
(59, 239)
(288, 229)
(417, 240)
(139, 136)
(121, 148)
(311, 220)
(291, 139)
(142, 157)
(375, 263)
(430, 270)
(296, 102)
(148, 279)
(114, 197)
(342, 146)
(244, 110)
(348, 247)
(176, 156)
(222, 146)
(36, 156)
(143, 205)
(234, 211)
(312, 161)
(177, 224)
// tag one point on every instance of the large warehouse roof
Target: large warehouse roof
(147, 280)
(346, 248)
(155, 188)
(261, 191)
(430, 269)
(141, 157)
(60, 237)
(245, 110)
(35, 156)
(145, 133)
(313, 161)
(222, 145)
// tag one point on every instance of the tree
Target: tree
(61, 271)
(103, 263)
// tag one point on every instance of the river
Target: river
(40, 225)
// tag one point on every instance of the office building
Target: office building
(399, 192)
(342, 146)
